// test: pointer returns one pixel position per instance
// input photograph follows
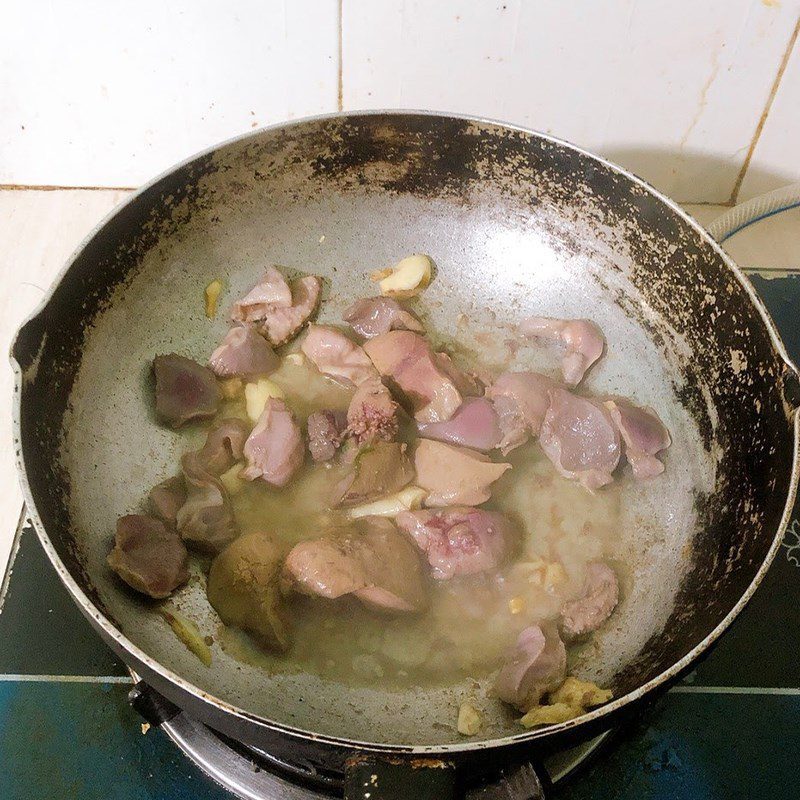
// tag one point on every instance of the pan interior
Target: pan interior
(507, 242)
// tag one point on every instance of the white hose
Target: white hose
(761, 207)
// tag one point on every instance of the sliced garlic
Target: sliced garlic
(583, 694)
(469, 720)
(533, 570)
(380, 274)
(256, 396)
(294, 358)
(407, 278)
(405, 500)
(550, 715)
(516, 605)
(554, 574)
(213, 291)
(188, 633)
(231, 481)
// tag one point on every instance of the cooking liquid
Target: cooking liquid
(471, 621)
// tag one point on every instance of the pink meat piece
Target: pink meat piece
(205, 521)
(583, 339)
(371, 560)
(243, 352)
(324, 430)
(275, 449)
(520, 400)
(406, 359)
(580, 438)
(336, 356)
(167, 498)
(474, 425)
(378, 470)
(644, 435)
(373, 316)
(185, 390)
(149, 556)
(282, 324)
(454, 475)
(598, 599)
(372, 414)
(224, 445)
(271, 292)
(460, 540)
(536, 665)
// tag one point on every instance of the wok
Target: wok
(517, 222)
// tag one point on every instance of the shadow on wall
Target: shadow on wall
(690, 176)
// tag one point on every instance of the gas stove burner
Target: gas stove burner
(253, 774)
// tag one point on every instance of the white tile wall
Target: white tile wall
(94, 93)
(98, 93)
(776, 158)
(673, 90)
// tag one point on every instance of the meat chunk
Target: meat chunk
(474, 425)
(269, 293)
(580, 438)
(467, 385)
(167, 498)
(281, 324)
(243, 588)
(185, 390)
(149, 556)
(460, 540)
(454, 475)
(520, 401)
(373, 316)
(336, 356)
(205, 521)
(279, 310)
(380, 469)
(583, 339)
(324, 430)
(371, 560)
(243, 352)
(275, 449)
(598, 599)
(224, 445)
(644, 435)
(406, 359)
(535, 666)
(372, 414)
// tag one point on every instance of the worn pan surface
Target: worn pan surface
(517, 223)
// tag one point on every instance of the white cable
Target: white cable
(754, 210)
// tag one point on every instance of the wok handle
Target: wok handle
(376, 778)
(791, 386)
(151, 705)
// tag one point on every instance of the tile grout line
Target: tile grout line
(340, 73)
(16, 678)
(24, 187)
(755, 690)
(762, 121)
(783, 271)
